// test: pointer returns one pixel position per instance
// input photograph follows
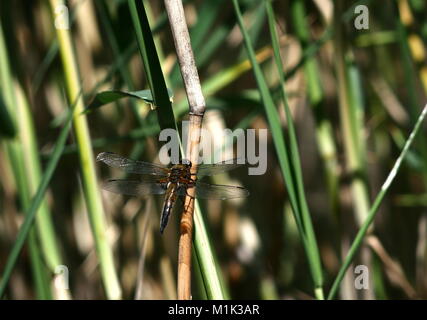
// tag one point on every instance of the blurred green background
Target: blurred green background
(351, 98)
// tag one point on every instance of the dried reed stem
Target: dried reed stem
(196, 102)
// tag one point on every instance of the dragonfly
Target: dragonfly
(172, 181)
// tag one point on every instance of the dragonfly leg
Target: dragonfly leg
(190, 196)
(186, 192)
(188, 205)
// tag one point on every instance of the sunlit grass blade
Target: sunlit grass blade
(35, 204)
(228, 75)
(351, 111)
(307, 231)
(110, 96)
(33, 170)
(358, 241)
(408, 51)
(210, 272)
(324, 132)
(153, 70)
(113, 38)
(86, 159)
(287, 163)
(273, 119)
(15, 153)
(134, 135)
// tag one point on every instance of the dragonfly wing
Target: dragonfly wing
(134, 187)
(131, 166)
(220, 192)
(216, 168)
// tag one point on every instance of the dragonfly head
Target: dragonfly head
(186, 162)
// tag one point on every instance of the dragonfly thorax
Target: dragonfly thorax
(180, 173)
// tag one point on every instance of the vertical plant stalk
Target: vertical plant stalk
(26, 227)
(374, 209)
(33, 171)
(211, 274)
(197, 106)
(350, 111)
(15, 153)
(413, 56)
(324, 131)
(288, 156)
(349, 125)
(415, 42)
(295, 161)
(89, 180)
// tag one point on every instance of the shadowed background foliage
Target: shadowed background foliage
(339, 103)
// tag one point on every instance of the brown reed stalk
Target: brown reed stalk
(197, 107)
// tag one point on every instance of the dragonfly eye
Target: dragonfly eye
(186, 162)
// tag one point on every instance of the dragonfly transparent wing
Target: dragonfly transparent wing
(131, 166)
(134, 187)
(216, 191)
(216, 168)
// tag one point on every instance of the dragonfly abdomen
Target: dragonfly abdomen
(168, 205)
